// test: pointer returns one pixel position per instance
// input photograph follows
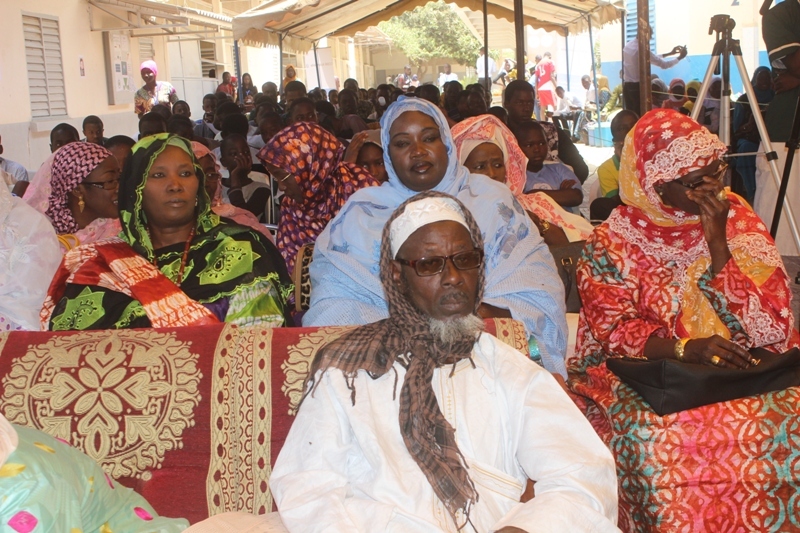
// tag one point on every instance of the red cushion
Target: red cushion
(191, 418)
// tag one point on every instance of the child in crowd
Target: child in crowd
(150, 124)
(120, 146)
(240, 189)
(554, 179)
(302, 110)
(181, 107)
(181, 125)
(93, 130)
(365, 150)
(205, 126)
(269, 125)
(63, 134)
(608, 172)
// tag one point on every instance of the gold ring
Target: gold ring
(716, 360)
(722, 195)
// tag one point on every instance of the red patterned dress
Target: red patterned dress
(731, 466)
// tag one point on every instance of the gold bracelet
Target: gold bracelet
(680, 346)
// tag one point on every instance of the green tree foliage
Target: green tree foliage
(430, 32)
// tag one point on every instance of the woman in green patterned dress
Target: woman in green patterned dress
(175, 263)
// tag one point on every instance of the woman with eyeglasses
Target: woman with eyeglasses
(420, 155)
(684, 270)
(82, 204)
(175, 262)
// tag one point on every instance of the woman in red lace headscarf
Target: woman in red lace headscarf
(684, 262)
(306, 161)
(685, 270)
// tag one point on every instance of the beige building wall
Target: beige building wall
(26, 140)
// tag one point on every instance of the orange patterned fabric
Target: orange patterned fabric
(191, 418)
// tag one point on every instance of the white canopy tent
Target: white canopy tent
(299, 23)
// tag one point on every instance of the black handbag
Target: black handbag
(566, 258)
(669, 386)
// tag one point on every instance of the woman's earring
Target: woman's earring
(195, 202)
(81, 204)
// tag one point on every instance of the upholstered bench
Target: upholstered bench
(191, 418)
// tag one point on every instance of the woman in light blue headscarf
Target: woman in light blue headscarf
(520, 273)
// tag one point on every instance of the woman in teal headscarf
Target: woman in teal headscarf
(175, 263)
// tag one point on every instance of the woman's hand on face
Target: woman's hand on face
(713, 211)
(356, 143)
(731, 355)
(243, 165)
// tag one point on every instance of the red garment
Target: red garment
(648, 262)
(313, 157)
(646, 272)
(113, 264)
(544, 73)
(227, 88)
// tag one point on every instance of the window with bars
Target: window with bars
(632, 22)
(208, 58)
(146, 49)
(45, 67)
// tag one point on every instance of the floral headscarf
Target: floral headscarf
(71, 164)
(472, 132)
(313, 157)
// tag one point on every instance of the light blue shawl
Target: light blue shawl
(520, 273)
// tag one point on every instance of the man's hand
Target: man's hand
(568, 184)
(243, 165)
(356, 143)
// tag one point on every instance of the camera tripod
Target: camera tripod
(725, 47)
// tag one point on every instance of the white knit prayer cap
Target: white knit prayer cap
(421, 213)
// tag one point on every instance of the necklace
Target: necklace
(184, 257)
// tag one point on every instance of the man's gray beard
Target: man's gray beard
(457, 329)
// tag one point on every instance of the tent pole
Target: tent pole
(566, 40)
(622, 23)
(594, 68)
(280, 65)
(237, 65)
(519, 32)
(645, 94)
(316, 64)
(486, 46)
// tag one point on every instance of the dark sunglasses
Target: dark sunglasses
(717, 175)
(430, 266)
(109, 185)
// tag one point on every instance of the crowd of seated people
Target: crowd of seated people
(427, 212)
